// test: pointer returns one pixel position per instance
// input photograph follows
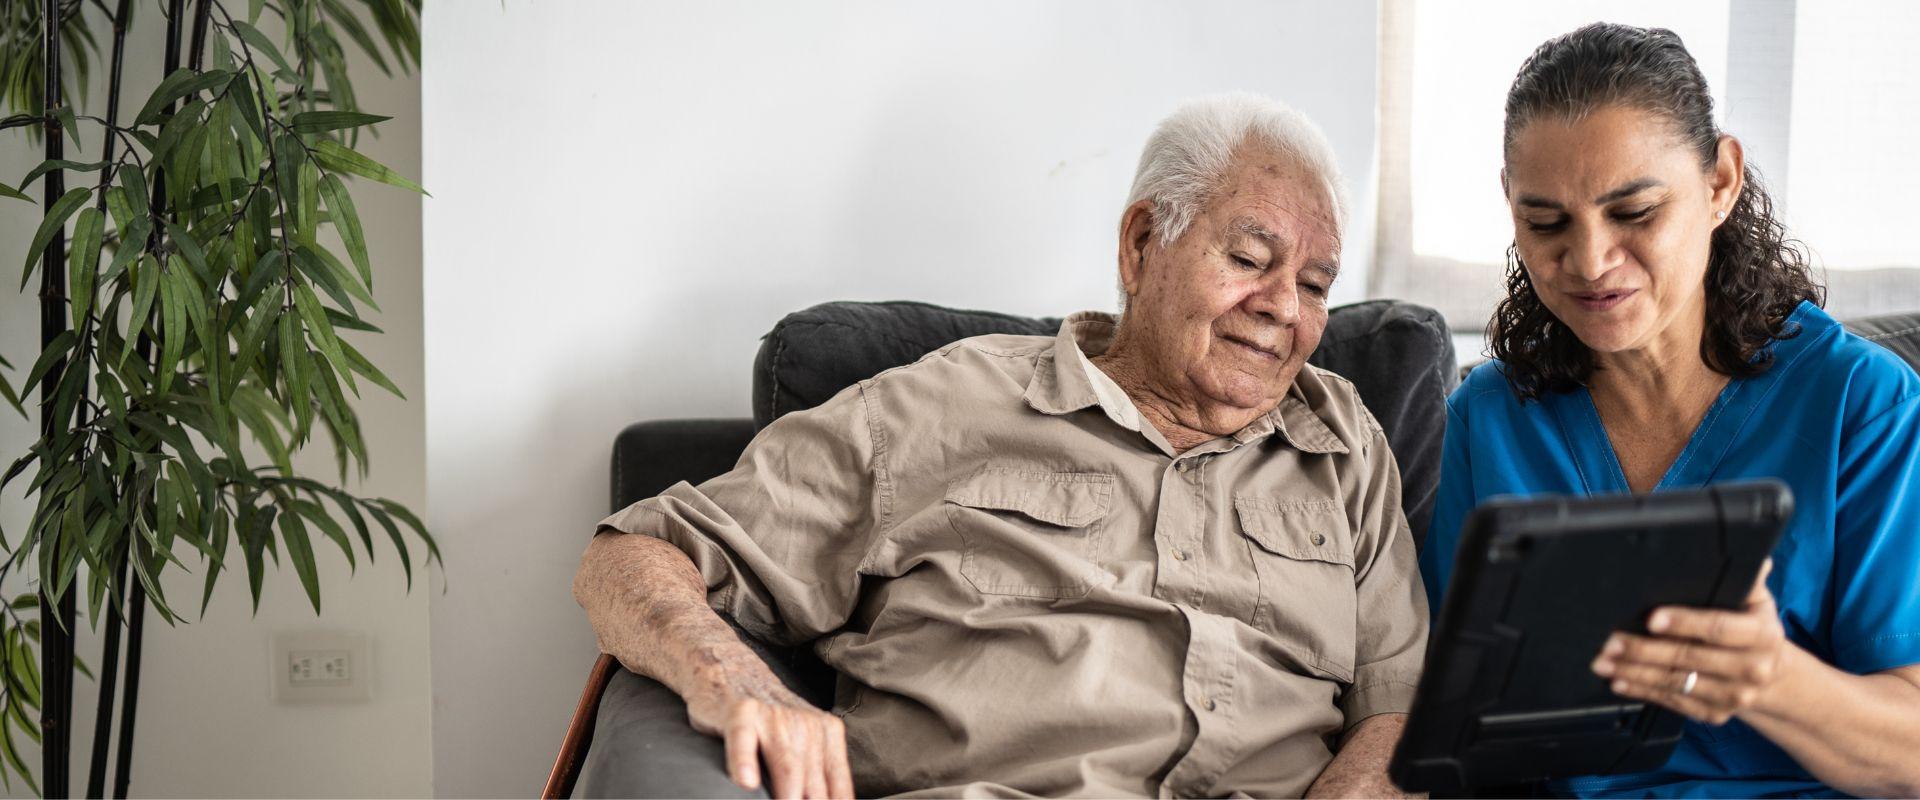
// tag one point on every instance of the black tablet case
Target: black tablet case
(1509, 695)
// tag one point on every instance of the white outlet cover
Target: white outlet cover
(320, 666)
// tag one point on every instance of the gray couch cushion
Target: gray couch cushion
(1897, 332)
(1398, 355)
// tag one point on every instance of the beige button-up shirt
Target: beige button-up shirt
(1024, 589)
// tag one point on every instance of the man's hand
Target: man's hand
(1708, 664)
(1359, 769)
(805, 749)
(648, 607)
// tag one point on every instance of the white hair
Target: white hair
(1187, 158)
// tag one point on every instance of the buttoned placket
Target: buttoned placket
(1207, 675)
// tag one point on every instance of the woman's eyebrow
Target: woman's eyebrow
(1627, 189)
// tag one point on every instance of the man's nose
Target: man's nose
(1278, 301)
(1592, 252)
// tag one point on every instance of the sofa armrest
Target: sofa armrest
(643, 745)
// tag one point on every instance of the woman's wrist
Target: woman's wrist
(1784, 699)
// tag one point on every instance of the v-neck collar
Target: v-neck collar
(1599, 466)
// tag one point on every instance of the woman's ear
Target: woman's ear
(1136, 235)
(1728, 177)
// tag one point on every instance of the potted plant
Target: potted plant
(191, 319)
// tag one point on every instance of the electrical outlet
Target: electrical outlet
(320, 667)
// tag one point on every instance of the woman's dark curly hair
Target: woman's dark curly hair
(1756, 275)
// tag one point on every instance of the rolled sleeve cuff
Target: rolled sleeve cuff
(1880, 654)
(721, 576)
(1377, 697)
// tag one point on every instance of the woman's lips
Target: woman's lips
(1601, 301)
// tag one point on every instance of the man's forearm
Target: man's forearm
(1359, 768)
(648, 607)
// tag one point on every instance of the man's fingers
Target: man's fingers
(743, 754)
(817, 769)
(788, 762)
(839, 773)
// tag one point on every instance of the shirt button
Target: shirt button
(1179, 555)
(1209, 704)
(1319, 540)
(1183, 466)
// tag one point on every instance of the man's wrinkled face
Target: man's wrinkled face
(1229, 312)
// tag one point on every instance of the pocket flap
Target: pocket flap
(1304, 530)
(1066, 499)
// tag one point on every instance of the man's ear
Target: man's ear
(1136, 235)
(1729, 175)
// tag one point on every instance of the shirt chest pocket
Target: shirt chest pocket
(1031, 534)
(1303, 554)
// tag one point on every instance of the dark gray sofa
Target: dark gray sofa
(1399, 356)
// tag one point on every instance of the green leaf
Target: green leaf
(323, 121)
(399, 542)
(293, 356)
(338, 157)
(419, 528)
(300, 550)
(318, 516)
(332, 276)
(321, 331)
(54, 351)
(59, 163)
(288, 155)
(83, 263)
(133, 240)
(173, 324)
(146, 284)
(190, 248)
(67, 121)
(264, 314)
(346, 221)
(216, 560)
(359, 363)
(8, 191)
(55, 221)
(270, 269)
(259, 43)
(180, 84)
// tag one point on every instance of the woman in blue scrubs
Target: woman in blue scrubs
(1660, 330)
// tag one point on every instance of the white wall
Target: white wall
(626, 195)
(206, 726)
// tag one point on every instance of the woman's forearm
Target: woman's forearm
(1856, 733)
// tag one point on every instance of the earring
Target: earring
(1719, 215)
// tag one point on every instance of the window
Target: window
(1824, 97)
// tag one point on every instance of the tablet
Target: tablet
(1509, 695)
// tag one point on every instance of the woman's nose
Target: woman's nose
(1591, 254)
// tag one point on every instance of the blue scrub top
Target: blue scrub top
(1836, 417)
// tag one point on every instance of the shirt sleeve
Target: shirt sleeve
(781, 539)
(1876, 618)
(1451, 503)
(1392, 626)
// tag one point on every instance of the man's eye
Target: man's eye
(1245, 262)
(1314, 289)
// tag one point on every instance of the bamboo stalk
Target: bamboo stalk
(56, 619)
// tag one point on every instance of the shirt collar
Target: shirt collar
(1064, 381)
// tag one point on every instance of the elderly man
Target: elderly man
(1153, 555)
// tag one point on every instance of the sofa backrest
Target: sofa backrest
(1398, 355)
